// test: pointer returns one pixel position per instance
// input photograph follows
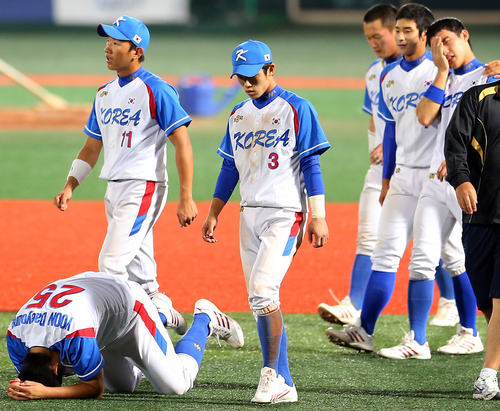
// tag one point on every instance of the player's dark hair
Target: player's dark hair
(134, 47)
(386, 13)
(418, 13)
(265, 67)
(447, 23)
(37, 367)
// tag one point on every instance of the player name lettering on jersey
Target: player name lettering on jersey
(452, 100)
(55, 319)
(262, 138)
(400, 103)
(120, 116)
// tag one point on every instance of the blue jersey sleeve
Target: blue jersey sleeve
(92, 128)
(367, 104)
(312, 175)
(169, 112)
(17, 351)
(389, 151)
(227, 180)
(311, 138)
(225, 149)
(83, 354)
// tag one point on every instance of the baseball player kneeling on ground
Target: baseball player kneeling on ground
(272, 146)
(108, 332)
(133, 118)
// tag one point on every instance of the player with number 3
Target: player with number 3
(272, 147)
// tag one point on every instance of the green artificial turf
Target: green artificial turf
(327, 377)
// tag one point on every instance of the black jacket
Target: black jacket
(472, 150)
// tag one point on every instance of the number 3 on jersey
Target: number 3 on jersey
(273, 161)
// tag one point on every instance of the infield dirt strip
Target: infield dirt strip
(40, 244)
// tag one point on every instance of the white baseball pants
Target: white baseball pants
(132, 208)
(269, 238)
(146, 348)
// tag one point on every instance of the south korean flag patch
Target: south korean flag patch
(276, 121)
(137, 39)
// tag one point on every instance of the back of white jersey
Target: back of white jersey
(402, 86)
(88, 301)
(266, 144)
(458, 82)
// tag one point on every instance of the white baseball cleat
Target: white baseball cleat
(463, 342)
(174, 319)
(221, 325)
(447, 314)
(408, 349)
(273, 389)
(286, 393)
(352, 336)
(343, 313)
(486, 388)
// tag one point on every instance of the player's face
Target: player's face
(258, 85)
(410, 43)
(381, 39)
(119, 56)
(456, 49)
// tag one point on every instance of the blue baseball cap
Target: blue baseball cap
(126, 28)
(249, 57)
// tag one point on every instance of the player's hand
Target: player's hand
(442, 171)
(376, 156)
(492, 69)
(385, 188)
(440, 60)
(317, 232)
(467, 197)
(62, 199)
(186, 212)
(26, 390)
(207, 231)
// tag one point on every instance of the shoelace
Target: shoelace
(265, 383)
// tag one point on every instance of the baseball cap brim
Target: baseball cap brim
(109, 31)
(249, 70)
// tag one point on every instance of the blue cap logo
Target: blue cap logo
(126, 28)
(249, 57)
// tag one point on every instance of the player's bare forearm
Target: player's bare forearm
(428, 110)
(377, 155)
(29, 390)
(62, 199)
(90, 151)
(492, 69)
(467, 197)
(442, 171)
(207, 231)
(186, 212)
(317, 232)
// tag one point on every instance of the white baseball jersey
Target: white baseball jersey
(372, 96)
(96, 321)
(459, 80)
(74, 316)
(402, 85)
(133, 119)
(266, 140)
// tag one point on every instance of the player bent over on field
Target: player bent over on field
(272, 146)
(108, 332)
(133, 118)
